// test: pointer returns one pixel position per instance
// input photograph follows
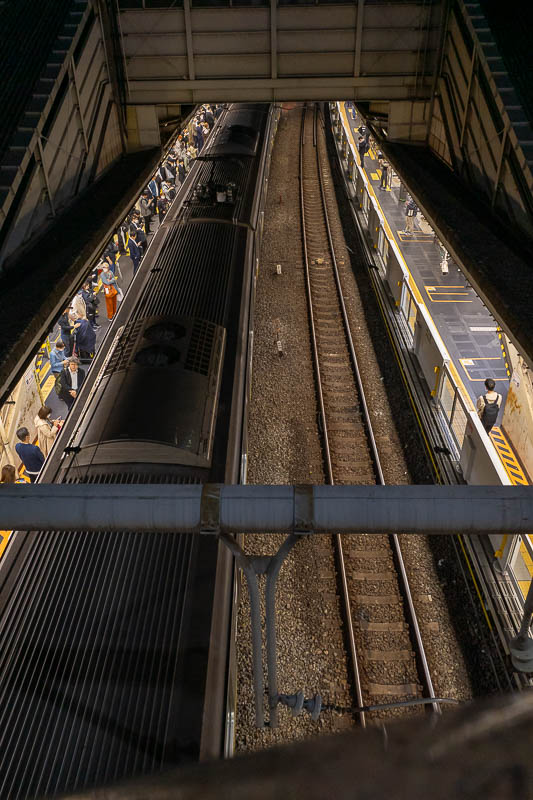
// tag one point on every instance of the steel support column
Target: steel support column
(468, 96)
(273, 39)
(188, 38)
(501, 161)
(39, 158)
(358, 38)
(74, 82)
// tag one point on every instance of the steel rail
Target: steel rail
(356, 677)
(406, 589)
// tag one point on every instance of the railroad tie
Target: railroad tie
(392, 690)
(368, 575)
(377, 600)
(382, 627)
(388, 655)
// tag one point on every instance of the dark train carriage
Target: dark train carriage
(109, 643)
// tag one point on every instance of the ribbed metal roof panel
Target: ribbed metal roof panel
(103, 647)
(194, 271)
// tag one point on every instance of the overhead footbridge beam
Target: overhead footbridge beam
(216, 508)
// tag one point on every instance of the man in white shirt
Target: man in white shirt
(70, 381)
(488, 405)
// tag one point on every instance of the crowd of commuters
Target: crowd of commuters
(78, 324)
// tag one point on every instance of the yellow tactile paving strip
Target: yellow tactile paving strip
(504, 354)
(4, 539)
(508, 457)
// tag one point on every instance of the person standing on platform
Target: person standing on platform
(110, 286)
(209, 118)
(135, 250)
(146, 211)
(168, 191)
(170, 170)
(47, 429)
(365, 133)
(70, 382)
(181, 174)
(85, 337)
(384, 166)
(91, 303)
(411, 210)
(199, 137)
(110, 257)
(58, 358)
(79, 309)
(30, 455)
(153, 188)
(65, 326)
(362, 147)
(140, 235)
(488, 405)
(162, 208)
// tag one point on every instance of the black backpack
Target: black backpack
(490, 412)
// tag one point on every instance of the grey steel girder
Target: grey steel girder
(217, 508)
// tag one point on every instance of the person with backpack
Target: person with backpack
(365, 133)
(411, 210)
(488, 405)
(362, 148)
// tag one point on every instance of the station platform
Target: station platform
(469, 332)
(46, 379)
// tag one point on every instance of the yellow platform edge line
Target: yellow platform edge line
(416, 291)
(412, 283)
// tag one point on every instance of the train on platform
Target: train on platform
(114, 646)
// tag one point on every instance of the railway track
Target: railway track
(389, 666)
